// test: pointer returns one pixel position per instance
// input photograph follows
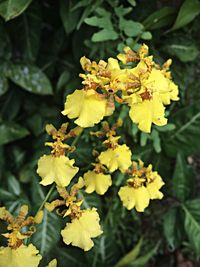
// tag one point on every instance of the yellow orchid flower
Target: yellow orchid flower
(19, 257)
(87, 106)
(56, 169)
(137, 198)
(98, 182)
(116, 158)
(153, 186)
(81, 230)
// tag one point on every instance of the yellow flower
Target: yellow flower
(154, 185)
(171, 94)
(80, 231)
(117, 158)
(147, 112)
(137, 198)
(98, 182)
(21, 257)
(56, 169)
(86, 106)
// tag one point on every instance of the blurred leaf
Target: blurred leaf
(182, 178)
(31, 78)
(186, 134)
(13, 184)
(11, 131)
(146, 36)
(69, 17)
(131, 256)
(188, 11)
(5, 47)
(160, 18)
(3, 84)
(6, 195)
(63, 79)
(185, 53)
(169, 227)
(104, 35)
(104, 22)
(48, 233)
(131, 28)
(192, 223)
(143, 260)
(10, 9)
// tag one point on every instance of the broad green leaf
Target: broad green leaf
(131, 28)
(10, 9)
(131, 256)
(30, 78)
(186, 134)
(63, 79)
(69, 18)
(192, 224)
(30, 24)
(11, 131)
(183, 179)
(104, 35)
(104, 22)
(188, 11)
(160, 18)
(184, 52)
(169, 227)
(5, 47)
(47, 234)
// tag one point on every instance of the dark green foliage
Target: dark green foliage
(41, 42)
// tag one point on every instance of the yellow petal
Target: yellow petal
(52, 263)
(118, 158)
(154, 186)
(56, 169)
(98, 182)
(80, 231)
(86, 106)
(113, 64)
(147, 112)
(134, 197)
(24, 256)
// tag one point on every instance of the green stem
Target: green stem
(47, 196)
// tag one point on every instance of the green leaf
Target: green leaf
(11, 131)
(30, 78)
(184, 52)
(146, 36)
(192, 223)
(143, 260)
(30, 25)
(48, 233)
(183, 179)
(169, 227)
(131, 28)
(159, 18)
(188, 11)
(187, 132)
(13, 184)
(131, 256)
(69, 18)
(6, 195)
(103, 22)
(3, 84)
(10, 9)
(104, 35)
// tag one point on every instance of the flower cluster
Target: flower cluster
(132, 79)
(145, 87)
(143, 185)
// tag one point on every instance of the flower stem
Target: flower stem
(46, 197)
